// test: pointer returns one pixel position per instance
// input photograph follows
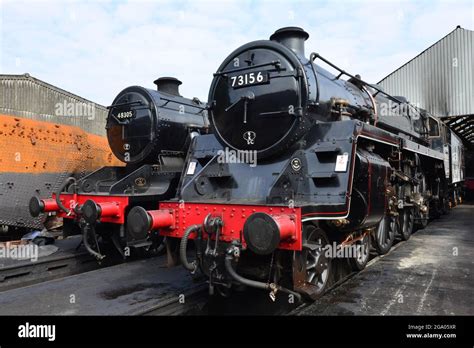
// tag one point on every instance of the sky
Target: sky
(97, 48)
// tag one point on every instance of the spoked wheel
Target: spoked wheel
(423, 218)
(315, 266)
(406, 221)
(360, 260)
(444, 206)
(385, 234)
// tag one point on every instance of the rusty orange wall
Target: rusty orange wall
(36, 147)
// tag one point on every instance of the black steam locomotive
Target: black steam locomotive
(150, 131)
(300, 159)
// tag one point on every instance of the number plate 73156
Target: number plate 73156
(249, 79)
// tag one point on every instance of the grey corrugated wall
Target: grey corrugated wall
(26, 96)
(441, 78)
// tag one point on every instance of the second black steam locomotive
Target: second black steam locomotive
(149, 130)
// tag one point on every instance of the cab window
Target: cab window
(434, 127)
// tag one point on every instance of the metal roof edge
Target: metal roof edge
(27, 76)
(422, 52)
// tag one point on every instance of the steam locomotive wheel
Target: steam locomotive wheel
(385, 234)
(407, 220)
(317, 265)
(359, 262)
(444, 206)
(424, 218)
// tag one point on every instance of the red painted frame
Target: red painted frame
(70, 200)
(234, 217)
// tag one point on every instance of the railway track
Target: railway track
(142, 287)
(21, 274)
(68, 258)
(194, 302)
(345, 279)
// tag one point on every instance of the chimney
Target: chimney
(291, 37)
(168, 85)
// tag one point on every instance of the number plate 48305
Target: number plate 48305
(249, 79)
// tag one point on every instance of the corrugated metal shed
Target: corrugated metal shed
(440, 79)
(26, 96)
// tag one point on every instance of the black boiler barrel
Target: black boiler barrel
(143, 123)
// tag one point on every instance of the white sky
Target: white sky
(97, 48)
